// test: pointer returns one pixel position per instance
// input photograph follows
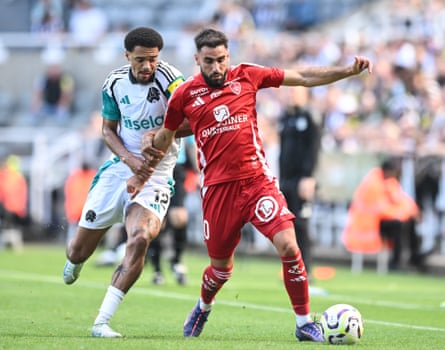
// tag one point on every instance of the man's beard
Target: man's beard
(212, 82)
(144, 81)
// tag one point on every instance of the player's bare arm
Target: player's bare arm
(314, 76)
(184, 129)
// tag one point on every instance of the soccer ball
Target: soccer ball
(342, 324)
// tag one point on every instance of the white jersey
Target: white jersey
(140, 108)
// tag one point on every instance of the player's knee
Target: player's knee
(286, 243)
(287, 247)
(137, 243)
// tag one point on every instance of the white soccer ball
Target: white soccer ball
(342, 324)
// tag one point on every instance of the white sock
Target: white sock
(303, 319)
(111, 301)
(206, 307)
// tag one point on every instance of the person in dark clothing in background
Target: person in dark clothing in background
(299, 147)
(52, 97)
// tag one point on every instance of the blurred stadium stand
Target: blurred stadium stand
(175, 14)
(48, 153)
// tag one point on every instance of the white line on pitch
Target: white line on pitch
(18, 275)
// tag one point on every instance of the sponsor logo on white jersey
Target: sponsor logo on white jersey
(150, 122)
(125, 100)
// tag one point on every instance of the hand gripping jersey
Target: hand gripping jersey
(224, 122)
(140, 108)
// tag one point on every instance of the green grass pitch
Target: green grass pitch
(37, 311)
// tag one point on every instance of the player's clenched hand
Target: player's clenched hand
(134, 186)
(360, 64)
(149, 152)
(141, 168)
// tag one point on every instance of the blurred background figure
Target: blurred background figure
(301, 14)
(52, 96)
(299, 147)
(47, 17)
(13, 201)
(76, 190)
(399, 109)
(87, 23)
(382, 210)
(236, 21)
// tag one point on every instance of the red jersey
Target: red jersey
(224, 121)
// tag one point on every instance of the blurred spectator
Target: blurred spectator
(428, 173)
(47, 17)
(95, 151)
(381, 210)
(236, 21)
(87, 23)
(268, 13)
(76, 190)
(13, 193)
(299, 140)
(340, 120)
(301, 14)
(53, 95)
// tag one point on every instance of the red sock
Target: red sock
(213, 279)
(296, 283)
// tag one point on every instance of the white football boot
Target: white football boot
(71, 272)
(103, 330)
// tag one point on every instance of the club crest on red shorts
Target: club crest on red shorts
(266, 208)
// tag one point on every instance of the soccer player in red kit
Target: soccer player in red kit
(238, 187)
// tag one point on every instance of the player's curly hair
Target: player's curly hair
(143, 36)
(211, 38)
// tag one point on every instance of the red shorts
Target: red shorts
(228, 206)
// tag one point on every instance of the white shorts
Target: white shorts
(108, 197)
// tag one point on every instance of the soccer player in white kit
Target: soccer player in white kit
(134, 100)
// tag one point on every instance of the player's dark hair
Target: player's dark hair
(143, 36)
(210, 38)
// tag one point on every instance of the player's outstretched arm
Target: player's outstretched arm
(314, 76)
